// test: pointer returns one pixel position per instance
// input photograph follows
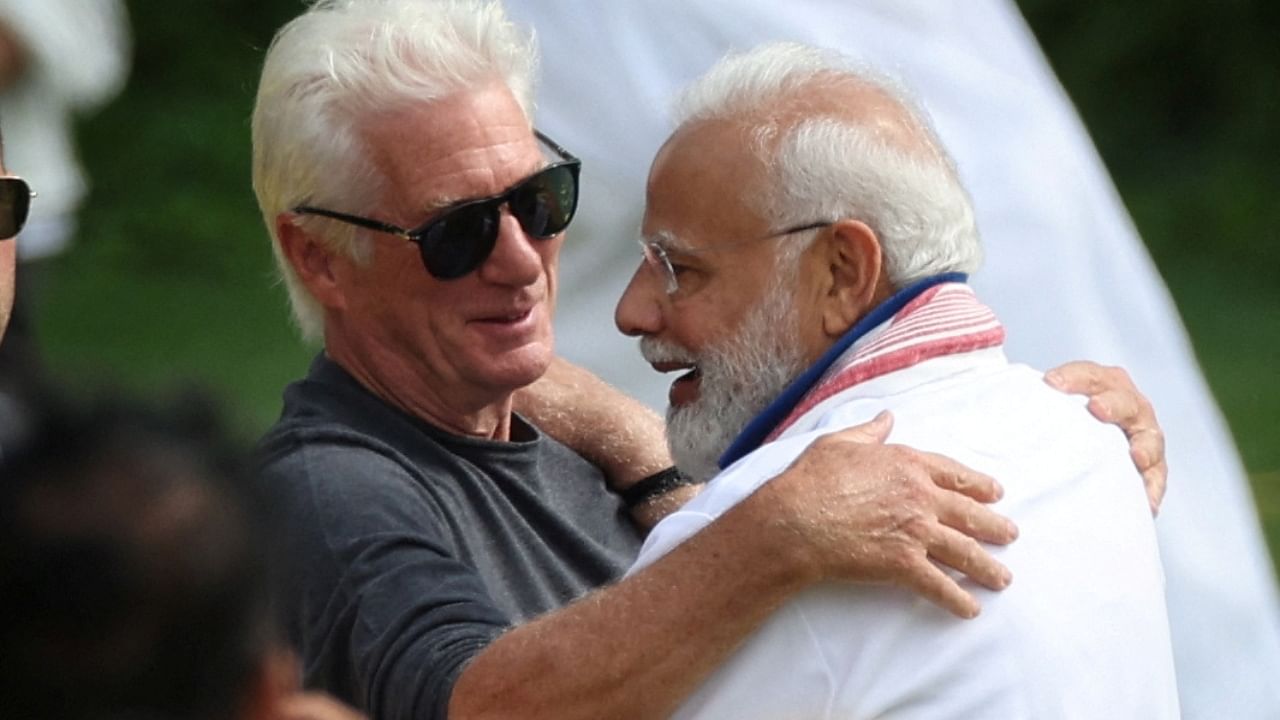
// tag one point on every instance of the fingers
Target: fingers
(1146, 448)
(1113, 398)
(1125, 408)
(929, 581)
(1083, 377)
(975, 520)
(1156, 479)
(963, 553)
(875, 430)
(951, 475)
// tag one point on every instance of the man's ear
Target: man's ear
(312, 261)
(856, 269)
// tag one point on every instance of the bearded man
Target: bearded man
(806, 244)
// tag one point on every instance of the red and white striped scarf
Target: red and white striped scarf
(946, 319)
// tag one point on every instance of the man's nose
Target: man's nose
(639, 310)
(517, 258)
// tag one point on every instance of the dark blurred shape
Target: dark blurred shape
(132, 566)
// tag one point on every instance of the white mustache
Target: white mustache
(657, 351)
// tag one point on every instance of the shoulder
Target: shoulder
(730, 487)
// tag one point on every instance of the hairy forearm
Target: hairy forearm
(636, 649)
(616, 432)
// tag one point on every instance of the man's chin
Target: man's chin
(696, 440)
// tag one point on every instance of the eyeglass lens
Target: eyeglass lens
(656, 258)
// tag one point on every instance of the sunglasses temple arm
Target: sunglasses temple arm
(356, 220)
(554, 145)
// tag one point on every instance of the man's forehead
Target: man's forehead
(702, 186)
(469, 144)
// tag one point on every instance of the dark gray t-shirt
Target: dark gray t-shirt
(405, 549)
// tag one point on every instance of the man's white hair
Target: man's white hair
(825, 162)
(343, 61)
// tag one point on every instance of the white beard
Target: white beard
(739, 379)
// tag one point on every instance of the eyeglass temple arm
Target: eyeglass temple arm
(554, 145)
(353, 220)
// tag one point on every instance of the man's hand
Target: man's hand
(1113, 398)
(875, 513)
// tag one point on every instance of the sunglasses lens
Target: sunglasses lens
(460, 240)
(546, 202)
(15, 201)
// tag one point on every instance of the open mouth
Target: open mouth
(685, 388)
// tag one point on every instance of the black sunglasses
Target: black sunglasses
(460, 238)
(15, 202)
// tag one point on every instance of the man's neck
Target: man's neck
(414, 390)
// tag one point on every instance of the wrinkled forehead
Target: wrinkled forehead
(470, 144)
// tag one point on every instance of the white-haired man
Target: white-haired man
(806, 242)
(440, 548)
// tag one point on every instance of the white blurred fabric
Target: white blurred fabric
(1065, 269)
(77, 59)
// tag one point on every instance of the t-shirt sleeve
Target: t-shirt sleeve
(374, 595)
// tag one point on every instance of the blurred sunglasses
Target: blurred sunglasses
(15, 203)
(458, 239)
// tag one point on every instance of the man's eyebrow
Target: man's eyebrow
(667, 240)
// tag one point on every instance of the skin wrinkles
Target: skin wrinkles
(451, 352)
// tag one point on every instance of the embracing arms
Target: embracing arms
(850, 508)
(635, 649)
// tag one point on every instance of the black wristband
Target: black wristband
(659, 483)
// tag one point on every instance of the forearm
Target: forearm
(611, 429)
(638, 648)
(617, 433)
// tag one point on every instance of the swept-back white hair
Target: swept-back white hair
(342, 61)
(825, 162)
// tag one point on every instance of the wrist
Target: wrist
(785, 532)
(653, 486)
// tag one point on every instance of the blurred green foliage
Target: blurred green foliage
(171, 275)
(1183, 101)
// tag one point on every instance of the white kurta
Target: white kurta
(1065, 268)
(1082, 631)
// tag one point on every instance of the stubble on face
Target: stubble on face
(740, 377)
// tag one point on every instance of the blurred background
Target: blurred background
(170, 275)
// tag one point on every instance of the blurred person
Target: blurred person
(448, 556)
(1060, 245)
(807, 246)
(134, 575)
(58, 60)
(15, 203)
